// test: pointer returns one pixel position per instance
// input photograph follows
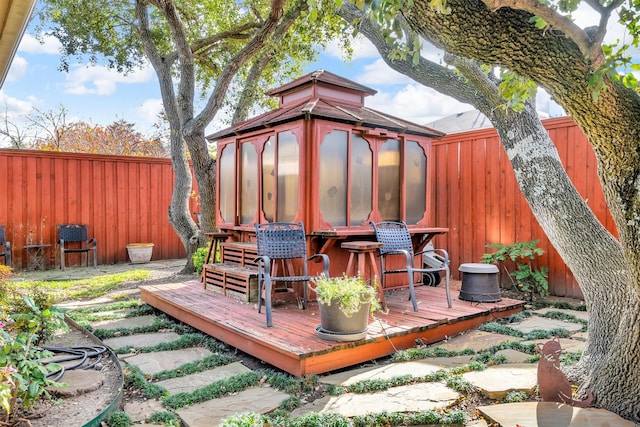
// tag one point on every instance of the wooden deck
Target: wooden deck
(292, 344)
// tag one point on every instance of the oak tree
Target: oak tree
(209, 57)
(540, 41)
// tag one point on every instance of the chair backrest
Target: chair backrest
(393, 235)
(281, 240)
(73, 232)
(3, 239)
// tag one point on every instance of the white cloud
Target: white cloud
(379, 73)
(149, 110)
(49, 46)
(99, 80)
(416, 103)
(18, 69)
(14, 107)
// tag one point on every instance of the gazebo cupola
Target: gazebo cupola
(325, 159)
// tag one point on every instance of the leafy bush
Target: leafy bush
(119, 419)
(23, 377)
(525, 278)
(165, 418)
(198, 258)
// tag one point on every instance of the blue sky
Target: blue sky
(95, 94)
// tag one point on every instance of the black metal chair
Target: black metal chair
(278, 244)
(396, 240)
(5, 247)
(78, 236)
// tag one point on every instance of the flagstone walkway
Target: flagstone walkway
(495, 382)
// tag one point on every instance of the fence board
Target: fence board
(122, 199)
(481, 203)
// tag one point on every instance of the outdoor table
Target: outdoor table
(36, 256)
(420, 236)
(361, 251)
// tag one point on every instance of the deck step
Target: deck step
(239, 253)
(232, 280)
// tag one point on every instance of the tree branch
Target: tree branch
(236, 33)
(587, 46)
(228, 73)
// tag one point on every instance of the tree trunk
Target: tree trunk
(608, 272)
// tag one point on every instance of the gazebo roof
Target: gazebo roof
(316, 104)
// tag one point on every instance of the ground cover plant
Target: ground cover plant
(92, 287)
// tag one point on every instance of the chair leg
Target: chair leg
(267, 299)
(95, 257)
(61, 258)
(412, 292)
(447, 286)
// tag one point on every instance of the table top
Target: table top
(370, 232)
(361, 245)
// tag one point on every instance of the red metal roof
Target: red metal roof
(326, 108)
(323, 76)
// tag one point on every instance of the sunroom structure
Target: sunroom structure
(325, 159)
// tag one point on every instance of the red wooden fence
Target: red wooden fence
(125, 199)
(122, 199)
(476, 195)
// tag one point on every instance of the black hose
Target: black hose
(86, 357)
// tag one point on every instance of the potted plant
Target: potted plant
(345, 304)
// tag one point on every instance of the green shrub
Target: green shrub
(165, 418)
(198, 258)
(119, 419)
(521, 254)
(23, 376)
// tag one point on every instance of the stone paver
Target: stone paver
(140, 411)
(549, 414)
(496, 382)
(157, 361)
(190, 383)
(565, 343)
(126, 323)
(260, 400)
(476, 340)
(416, 368)
(78, 381)
(582, 315)
(141, 340)
(514, 356)
(542, 323)
(409, 398)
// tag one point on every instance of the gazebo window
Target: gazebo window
(333, 177)
(288, 173)
(389, 180)
(336, 157)
(416, 178)
(227, 183)
(361, 180)
(248, 190)
(280, 179)
(269, 179)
